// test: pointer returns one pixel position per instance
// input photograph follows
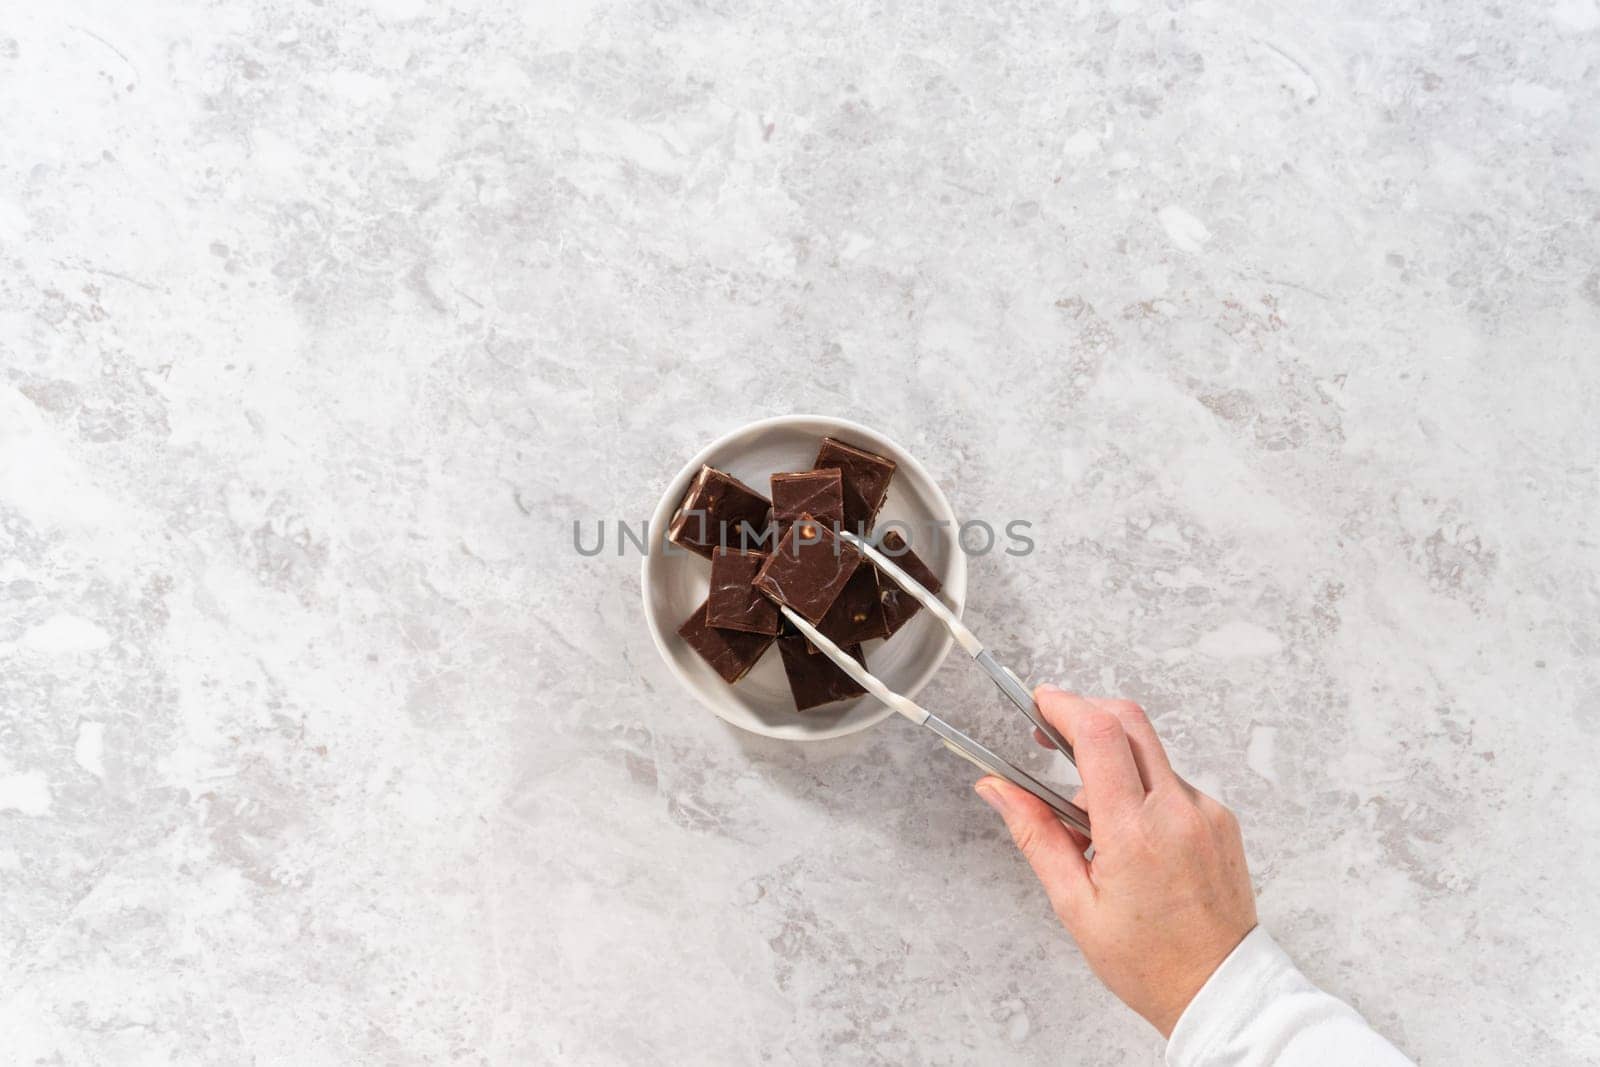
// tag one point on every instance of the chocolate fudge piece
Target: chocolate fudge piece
(865, 481)
(815, 679)
(898, 605)
(857, 615)
(731, 653)
(718, 509)
(808, 569)
(816, 492)
(735, 604)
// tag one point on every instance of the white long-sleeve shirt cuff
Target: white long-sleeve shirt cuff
(1257, 1009)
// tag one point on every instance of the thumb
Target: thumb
(1047, 845)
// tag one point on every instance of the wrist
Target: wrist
(1179, 994)
(1184, 987)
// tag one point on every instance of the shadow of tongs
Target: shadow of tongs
(954, 739)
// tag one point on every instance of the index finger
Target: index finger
(1148, 752)
(1111, 782)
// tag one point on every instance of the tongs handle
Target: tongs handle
(985, 760)
(1002, 676)
(1017, 693)
(954, 739)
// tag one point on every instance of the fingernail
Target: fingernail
(1047, 687)
(991, 796)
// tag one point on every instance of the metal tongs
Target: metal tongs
(956, 741)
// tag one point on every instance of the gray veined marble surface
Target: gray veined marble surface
(320, 324)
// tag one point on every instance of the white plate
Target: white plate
(674, 585)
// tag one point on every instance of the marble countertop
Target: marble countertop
(320, 327)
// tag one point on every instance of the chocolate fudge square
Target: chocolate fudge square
(731, 653)
(865, 480)
(898, 605)
(808, 569)
(735, 604)
(718, 509)
(818, 492)
(857, 615)
(815, 680)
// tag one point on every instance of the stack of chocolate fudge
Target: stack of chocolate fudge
(787, 550)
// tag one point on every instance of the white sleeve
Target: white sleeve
(1257, 1009)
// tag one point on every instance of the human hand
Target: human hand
(1167, 895)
